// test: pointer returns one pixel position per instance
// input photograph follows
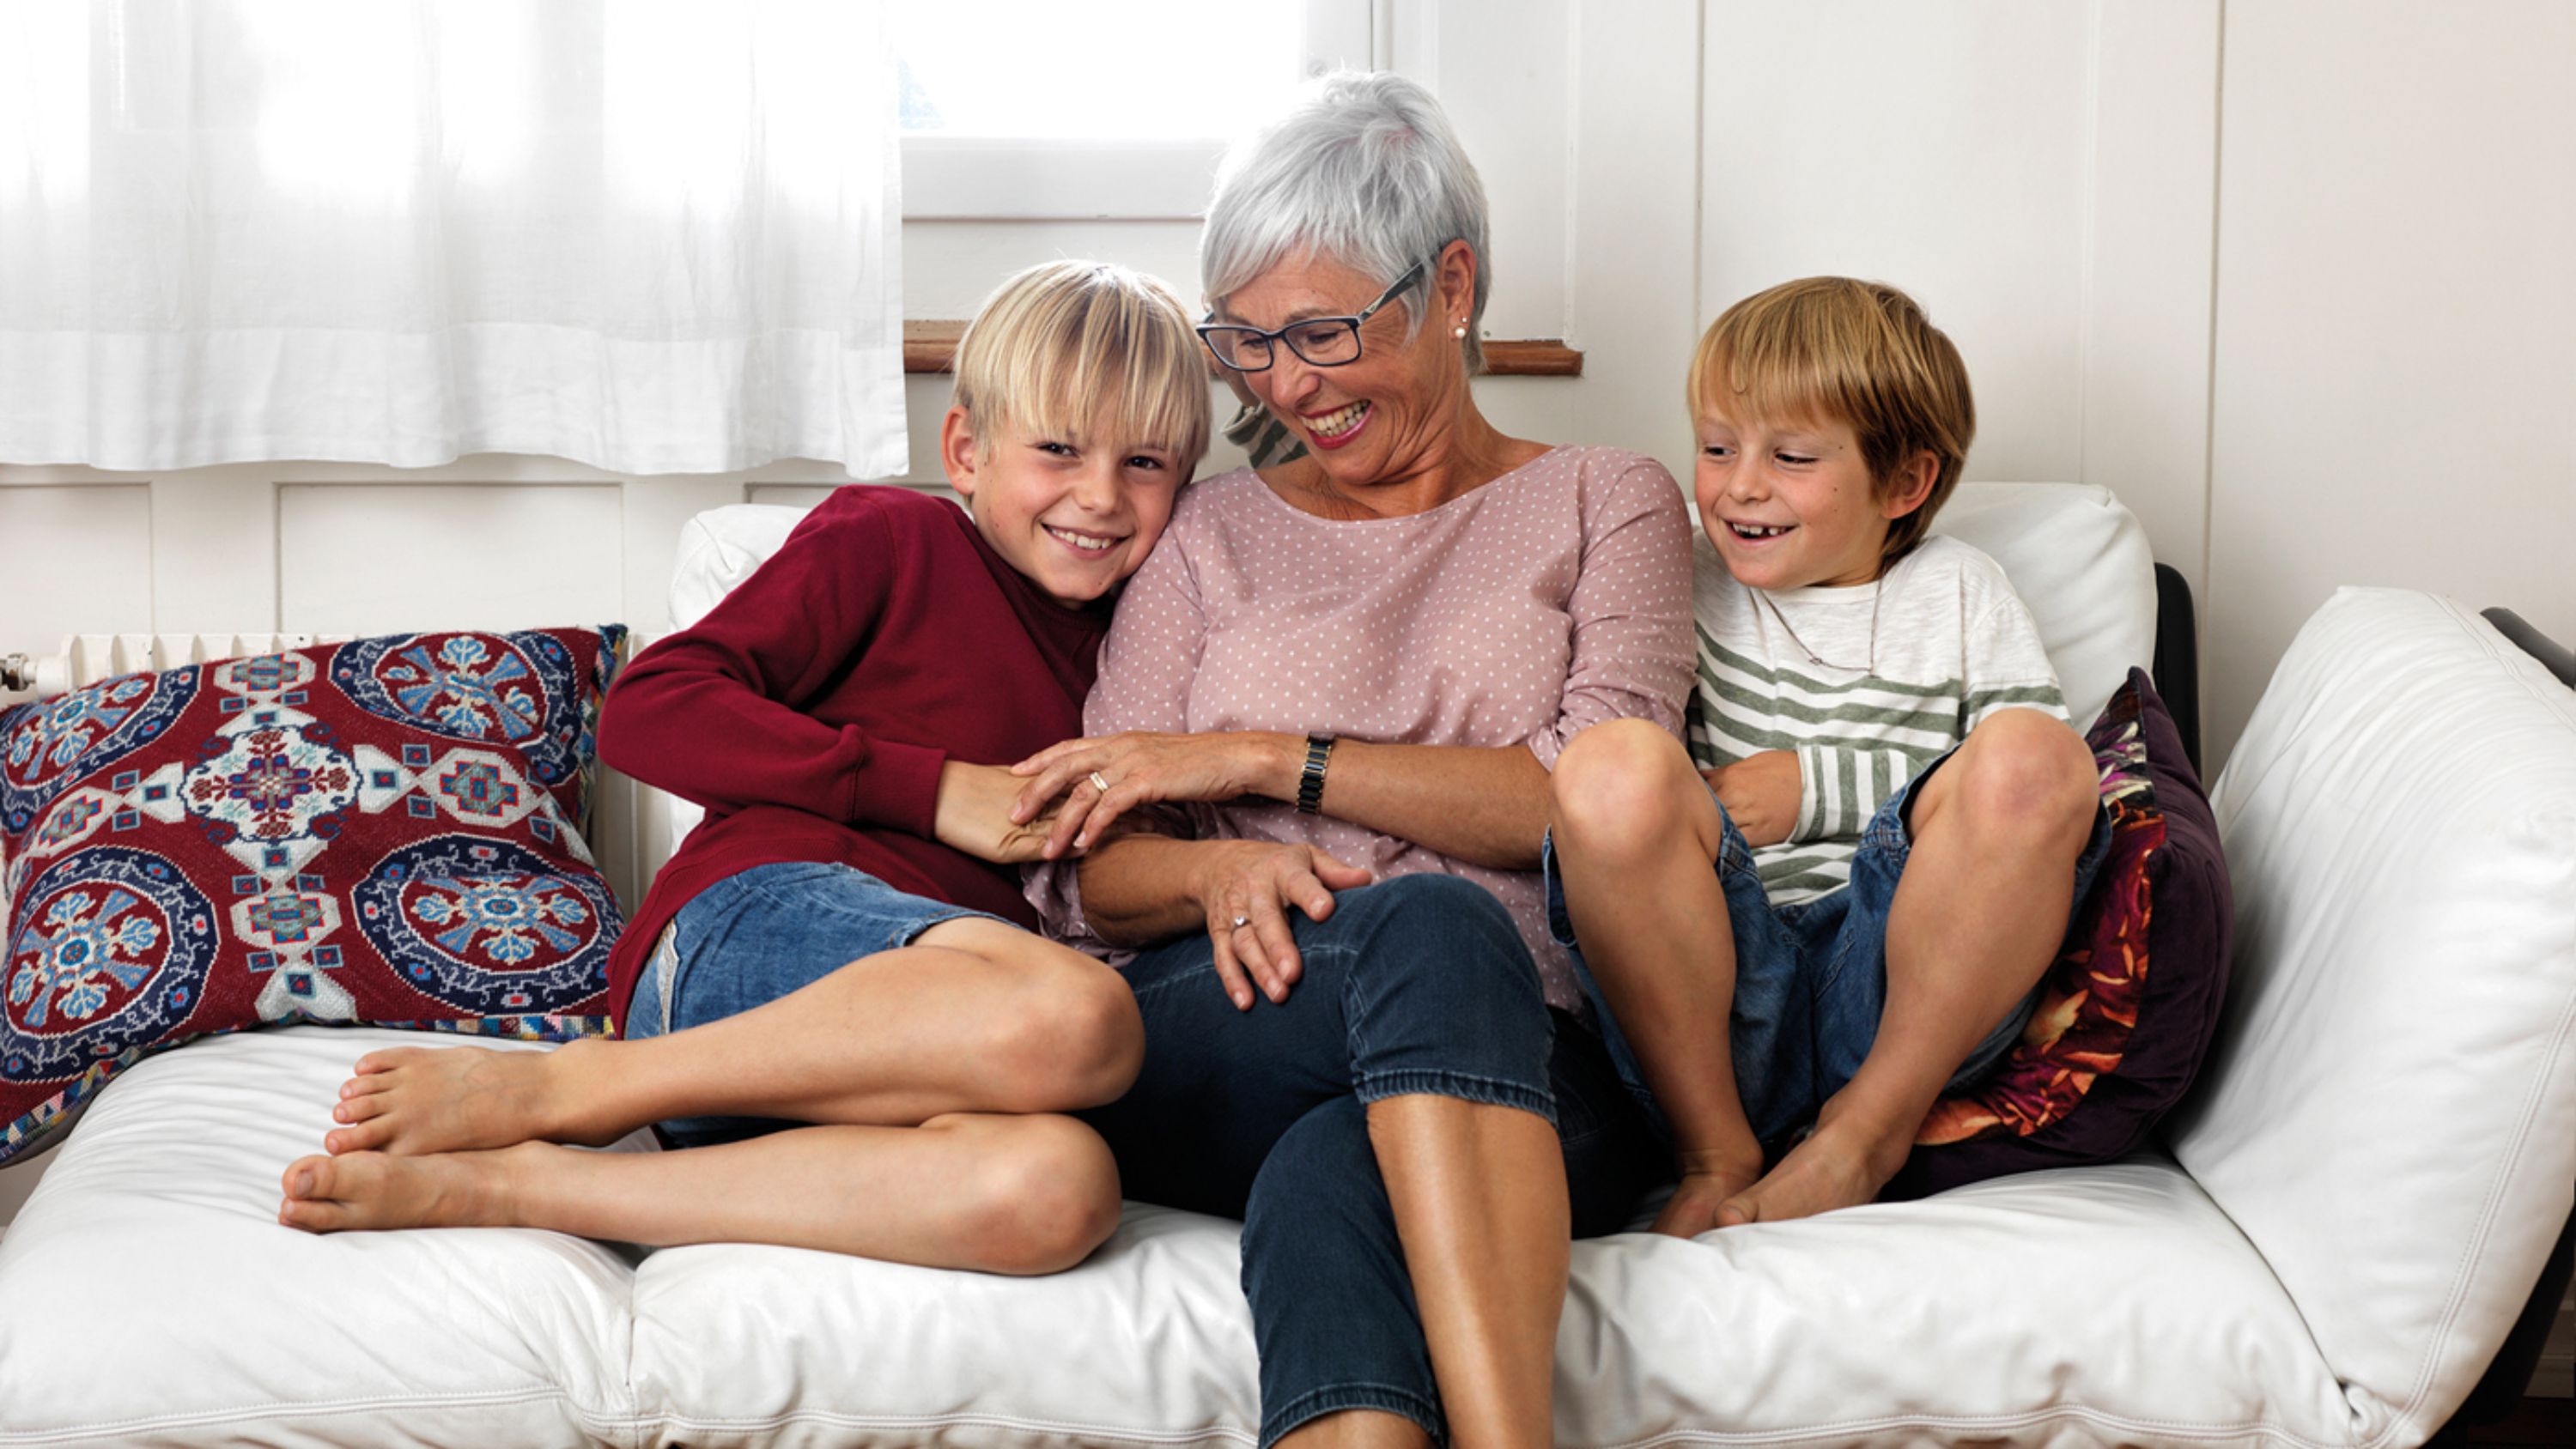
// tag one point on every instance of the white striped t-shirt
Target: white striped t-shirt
(1951, 644)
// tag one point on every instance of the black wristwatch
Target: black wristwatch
(1310, 781)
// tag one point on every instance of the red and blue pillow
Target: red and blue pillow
(385, 832)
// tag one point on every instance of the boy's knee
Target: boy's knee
(1073, 1037)
(1619, 785)
(1044, 1195)
(2033, 774)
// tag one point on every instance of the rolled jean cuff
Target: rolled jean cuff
(1434, 1082)
(1334, 1398)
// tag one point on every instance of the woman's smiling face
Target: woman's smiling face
(1374, 418)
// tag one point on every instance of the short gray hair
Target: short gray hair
(1365, 171)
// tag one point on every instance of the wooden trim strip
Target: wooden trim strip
(930, 346)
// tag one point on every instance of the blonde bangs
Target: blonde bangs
(1067, 347)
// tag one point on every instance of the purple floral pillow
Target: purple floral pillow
(2127, 1011)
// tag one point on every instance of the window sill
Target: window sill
(928, 347)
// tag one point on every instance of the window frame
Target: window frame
(1014, 178)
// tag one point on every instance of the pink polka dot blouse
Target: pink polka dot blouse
(1550, 599)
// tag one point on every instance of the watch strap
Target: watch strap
(1310, 780)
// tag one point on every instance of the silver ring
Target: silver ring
(1099, 782)
(1242, 921)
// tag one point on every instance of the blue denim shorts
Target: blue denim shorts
(1810, 978)
(758, 935)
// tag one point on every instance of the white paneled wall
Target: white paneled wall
(1940, 148)
(2037, 174)
(2396, 332)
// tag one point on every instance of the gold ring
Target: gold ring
(1099, 783)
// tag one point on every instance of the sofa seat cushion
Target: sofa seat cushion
(1890, 1324)
(148, 1297)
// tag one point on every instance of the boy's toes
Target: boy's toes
(309, 1178)
(1736, 1211)
(361, 1109)
(364, 1137)
(366, 1086)
(313, 1217)
(385, 1060)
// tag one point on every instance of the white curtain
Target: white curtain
(652, 237)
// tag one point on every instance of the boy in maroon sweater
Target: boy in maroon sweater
(833, 995)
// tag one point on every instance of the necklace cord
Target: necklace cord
(1877, 587)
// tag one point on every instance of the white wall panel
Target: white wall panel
(1501, 69)
(215, 570)
(790, 495)
(1633, 207)
(76, 559)
(2396, 299)
(372, 558)
(2150, 251)
(1941, 148)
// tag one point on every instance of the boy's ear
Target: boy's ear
(1912, 484)
(958, 453)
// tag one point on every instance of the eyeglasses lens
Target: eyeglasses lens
(1325, 344)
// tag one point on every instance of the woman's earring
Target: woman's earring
(1460, 332)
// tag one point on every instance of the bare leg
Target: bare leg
(1358, 1429)
(1480, 1206)
(999, 1194)
(976, 1017)
(1636, 836)
(1977, 918)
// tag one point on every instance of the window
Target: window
(1038, 109)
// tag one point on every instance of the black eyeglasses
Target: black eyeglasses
(1318, 341)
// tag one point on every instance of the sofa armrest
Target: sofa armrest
(2389, 1112)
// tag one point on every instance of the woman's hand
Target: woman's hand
(1246, 888)
(974, 814)
(1760, 793)
(1141, 767)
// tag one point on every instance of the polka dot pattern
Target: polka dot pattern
(1550, 599)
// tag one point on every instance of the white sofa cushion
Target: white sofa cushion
(148, 1297)
(719, 549)
(2389, 1110)
(2079, 559)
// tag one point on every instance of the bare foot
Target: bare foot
(1838, 1166)
(1697, 1200)
(369, 1190)
(410, 1101)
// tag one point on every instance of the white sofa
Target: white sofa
(2353, 1207)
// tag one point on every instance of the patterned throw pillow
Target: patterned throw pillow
(384, 832)
(2114, 1044)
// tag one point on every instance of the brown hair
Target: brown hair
(1832, 349)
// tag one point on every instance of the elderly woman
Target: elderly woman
(1330, 701)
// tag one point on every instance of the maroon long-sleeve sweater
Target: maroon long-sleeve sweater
(811, 710)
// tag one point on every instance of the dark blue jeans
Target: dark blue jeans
(1417, 984)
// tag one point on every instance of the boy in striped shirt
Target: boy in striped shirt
(1878, 767)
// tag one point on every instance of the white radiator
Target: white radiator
(88, 658)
